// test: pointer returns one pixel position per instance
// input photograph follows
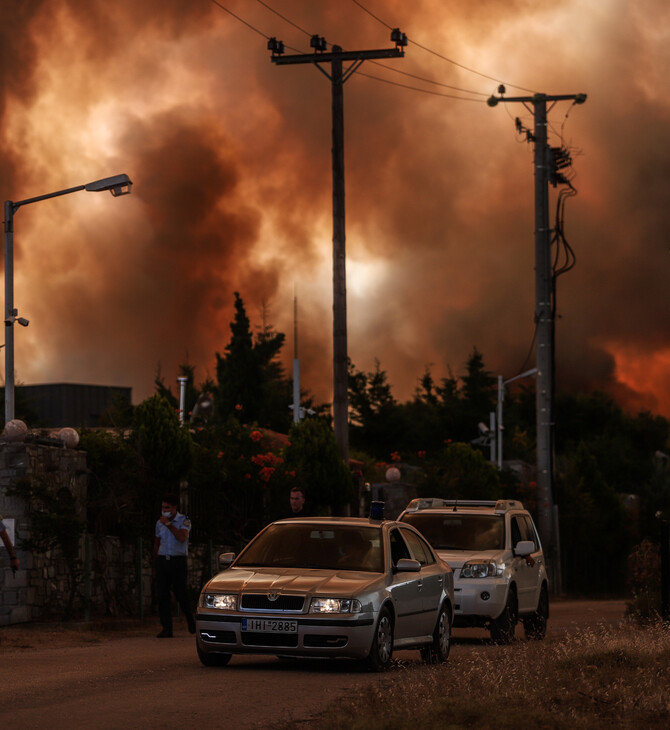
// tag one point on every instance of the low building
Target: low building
(78, 405)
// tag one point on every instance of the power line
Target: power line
(284, 18)
(381, 65)
(428, 81)
(241, 20)
(441, 56)
(370, 76)
(423, 91)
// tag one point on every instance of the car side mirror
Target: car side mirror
(407, 565)
(524, 548)
(225, 559)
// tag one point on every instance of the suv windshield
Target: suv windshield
(328, 547)
(458, 531)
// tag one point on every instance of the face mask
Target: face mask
(166, 514)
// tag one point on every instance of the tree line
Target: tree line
(237, 461)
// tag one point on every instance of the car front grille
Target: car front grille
(261, 602)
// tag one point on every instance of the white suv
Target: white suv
(496, 555)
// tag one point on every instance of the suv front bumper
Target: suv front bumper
(478, 601)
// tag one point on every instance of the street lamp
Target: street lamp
(117, 185)
(501, 395)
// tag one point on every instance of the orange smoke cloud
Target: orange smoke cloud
(230, 156)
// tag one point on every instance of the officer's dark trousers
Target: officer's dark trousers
(171, 574)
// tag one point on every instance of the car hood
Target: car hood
(292, 581)
(457, 558)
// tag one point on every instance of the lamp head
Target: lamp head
(117, 185)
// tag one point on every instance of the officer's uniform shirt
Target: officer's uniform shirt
(169, 543)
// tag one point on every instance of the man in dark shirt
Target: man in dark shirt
(298, 506)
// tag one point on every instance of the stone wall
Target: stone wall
(24, 595)
(113, 576)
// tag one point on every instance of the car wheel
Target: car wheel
(502, 628)
(381, 652)
(535, 625)
(213, 659)
(438, 651)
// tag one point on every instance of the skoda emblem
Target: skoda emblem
(273, 596)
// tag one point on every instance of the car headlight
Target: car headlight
(482, 569)
(335, 605)
(223, 601)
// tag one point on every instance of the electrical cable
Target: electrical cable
(444, 58)
(428, 81)
(241, 20)
(381, 65)
(370, 76)
(284, 18)
(416, 88)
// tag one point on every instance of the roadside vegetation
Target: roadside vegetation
(606, 677)
(239, 453)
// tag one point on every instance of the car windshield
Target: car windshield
(458, 531)
(322, 546)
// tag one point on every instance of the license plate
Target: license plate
(267, 625)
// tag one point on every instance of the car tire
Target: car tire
(438, 651)
(502, 628)
(381, 652)
(214, 659)
(535, 625)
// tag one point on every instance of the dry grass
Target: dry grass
(608, 677)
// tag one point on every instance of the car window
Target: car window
(420, 550)
(328, 547)
(399, 549)
(528, 530)
(522, 529)
(459, 531)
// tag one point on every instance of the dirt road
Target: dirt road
(142, 682)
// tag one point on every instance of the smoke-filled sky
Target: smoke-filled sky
(230, 159)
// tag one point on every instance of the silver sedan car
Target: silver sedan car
(329, 587)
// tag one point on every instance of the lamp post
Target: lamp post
(117, 185)
(501, 395)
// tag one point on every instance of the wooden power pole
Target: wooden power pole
(544, 307)
(338, 75)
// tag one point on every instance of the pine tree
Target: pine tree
(250, 379)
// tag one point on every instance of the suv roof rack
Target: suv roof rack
(499, 506)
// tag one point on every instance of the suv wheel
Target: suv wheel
(535, 625)
(502, 628)
(381, 652)
(438, 651)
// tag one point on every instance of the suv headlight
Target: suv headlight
(335, 605)
(223, 601)
(482, 569)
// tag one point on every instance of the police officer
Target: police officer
(170, 551)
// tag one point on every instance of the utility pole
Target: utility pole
(337, 76)
(296, 364)
(544, 305)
